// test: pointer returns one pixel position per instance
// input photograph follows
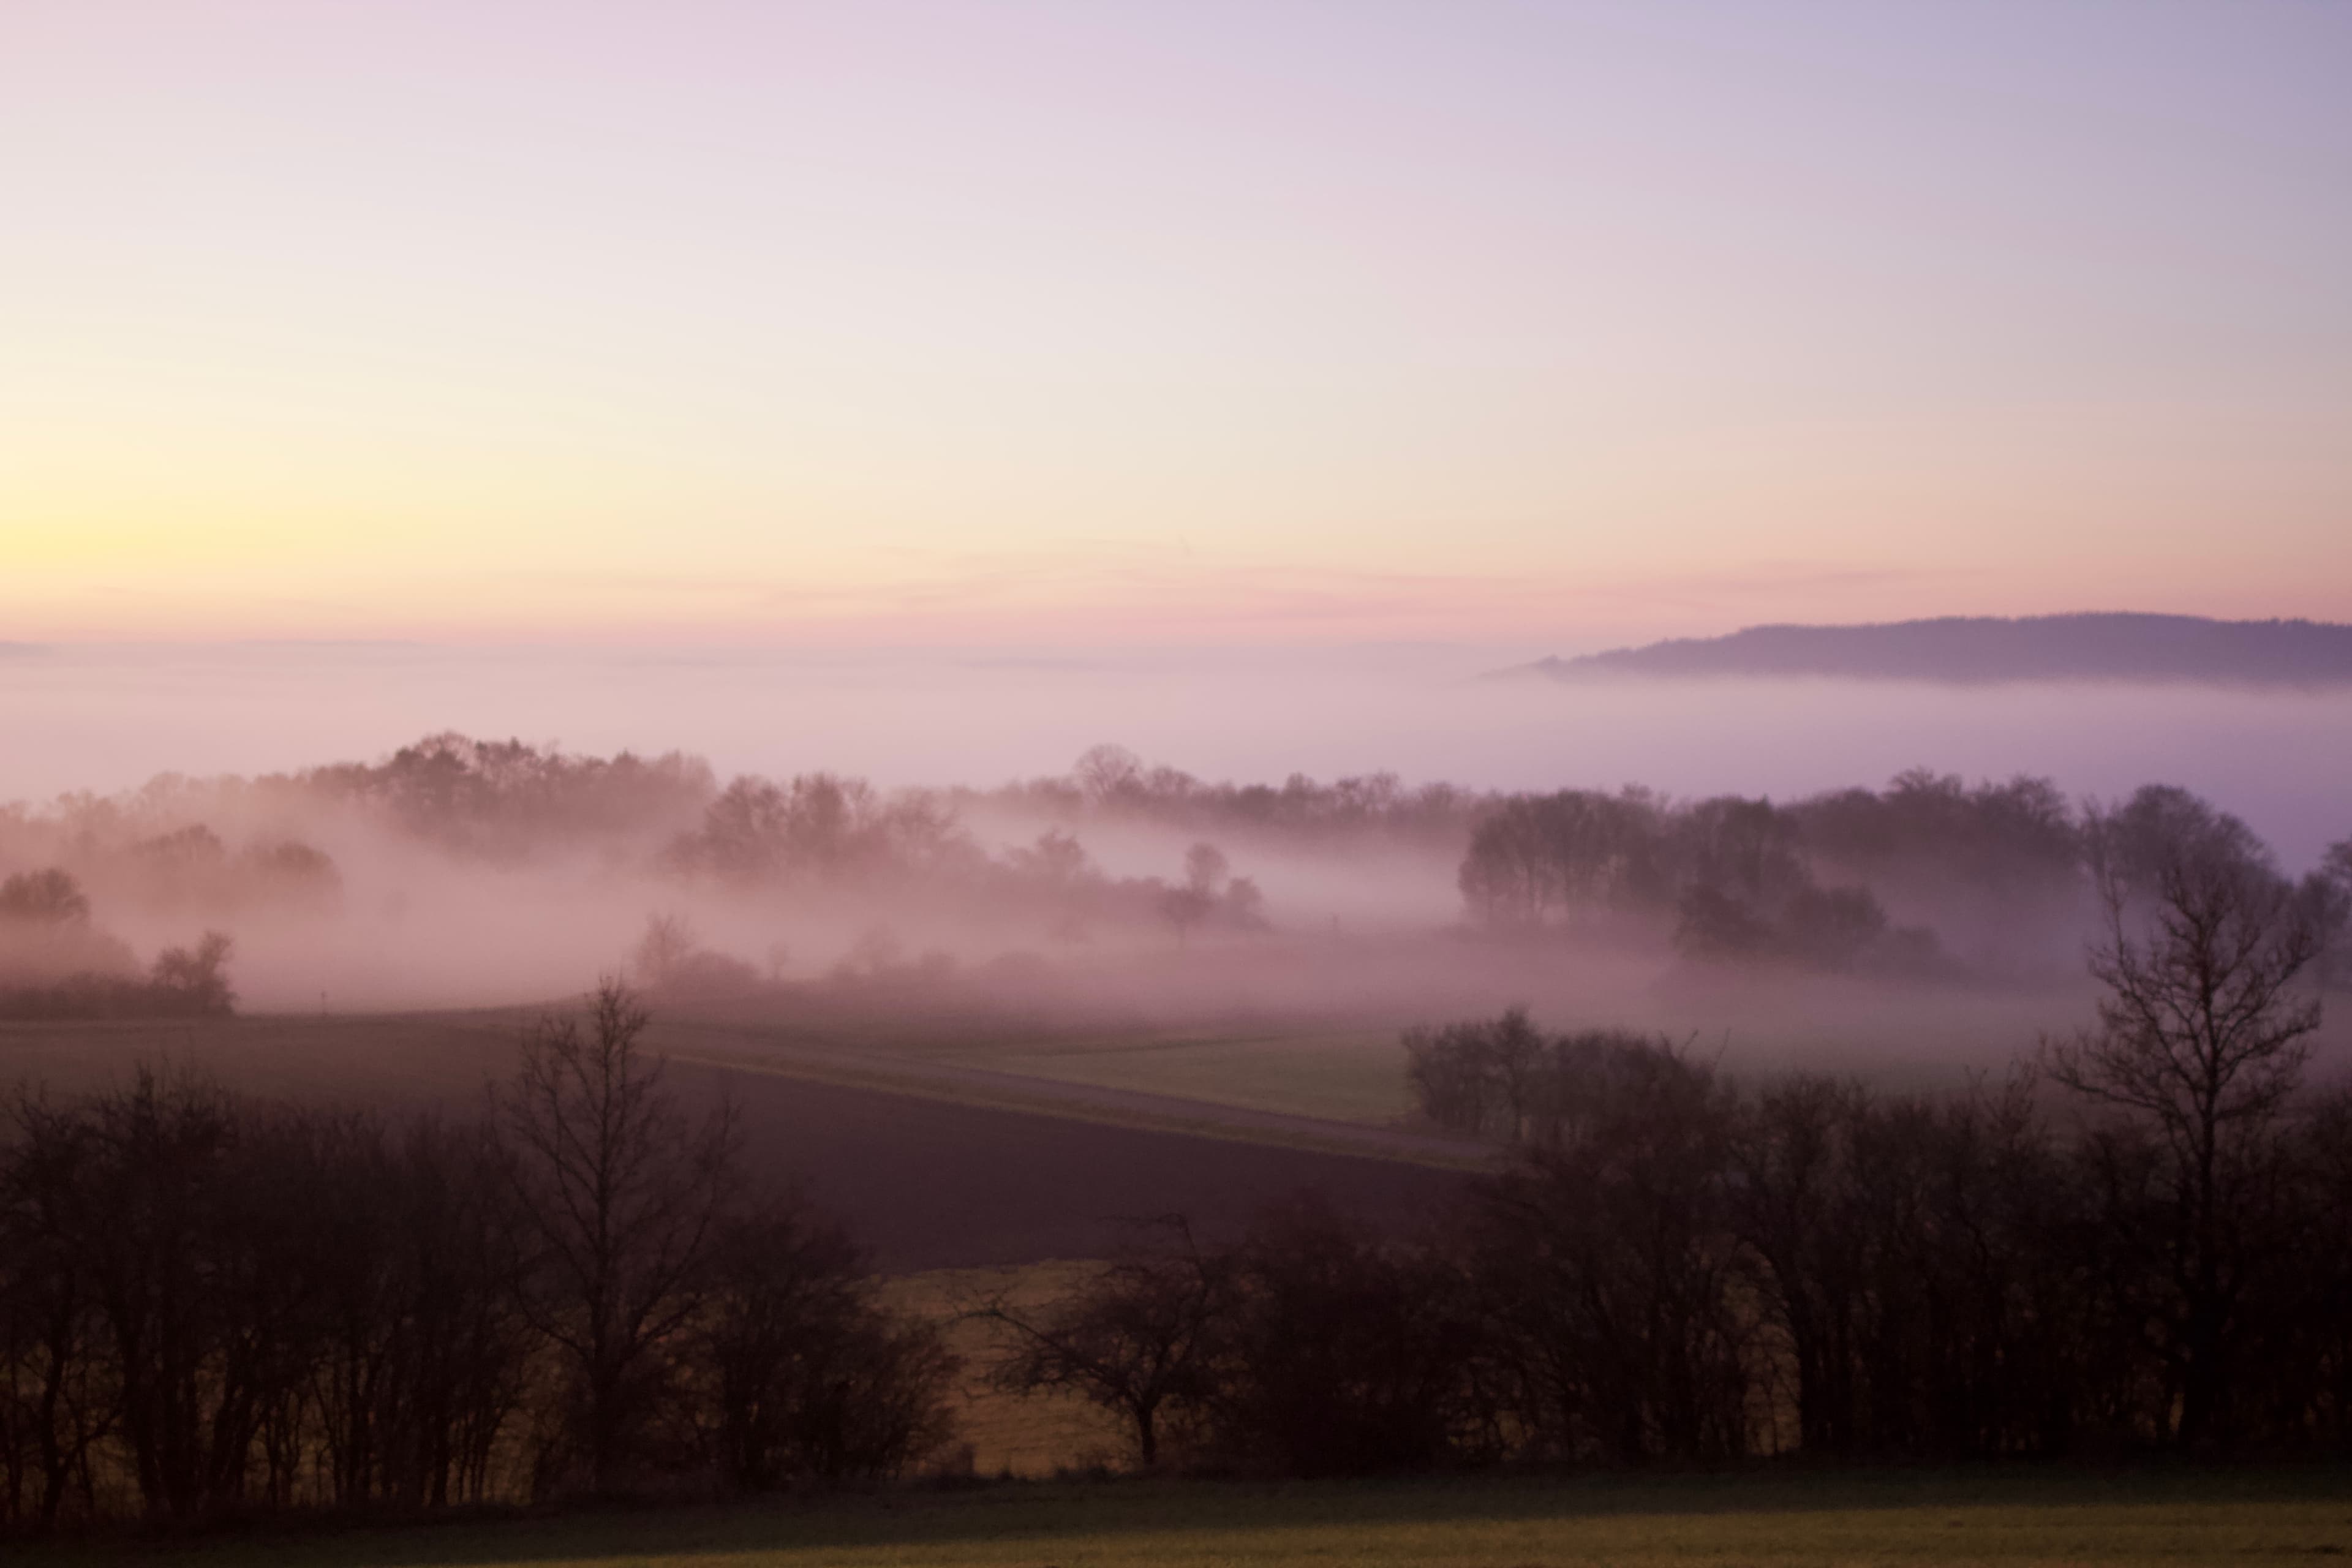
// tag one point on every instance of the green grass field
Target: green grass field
(1353, 1069)
(1946, 1518)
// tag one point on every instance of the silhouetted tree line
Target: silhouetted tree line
(215, 1304)
(1112, 784)
(188, 865)
(2334, 887)
(2140, 1241)
(2007, 869)
(503, 797)
(182, 983)
(1927, 876)
(191, 864)
(821, 826)
(55, 964)
(45, 898)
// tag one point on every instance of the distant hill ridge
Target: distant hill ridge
(1985, 648)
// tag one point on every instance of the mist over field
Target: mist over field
(916, 746)
(965, 875)
(107, 720)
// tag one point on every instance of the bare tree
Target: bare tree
(2201, 1041)
(46, 898)
(1196, 900)
(804, 1372)
(195, 980)
(1106, 772)
(421, 1355)
(199, 1231)
(1134, 1340)
(56, 1403)
(1604, 1261)
(1479, 1076)
(2331, 891)
(665, 949)
(1346, 1351)
(621, 1197)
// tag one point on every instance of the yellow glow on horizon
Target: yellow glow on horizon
(1163, 325)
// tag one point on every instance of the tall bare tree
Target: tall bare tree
(57, 1403)
(2201, 1043)
(621, 1199)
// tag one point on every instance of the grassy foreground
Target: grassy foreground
(1925, 1517)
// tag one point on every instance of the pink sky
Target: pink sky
(1075, 324)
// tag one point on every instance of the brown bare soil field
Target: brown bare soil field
(923, 1181)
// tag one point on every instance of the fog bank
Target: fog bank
(108, 719)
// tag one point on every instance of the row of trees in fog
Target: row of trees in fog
(503, 797)
(1112, 784)
(57, 963)
(503, 803)
(822, 829)
(2011, 870)
(2141, 1240)
(1930, 875)
(211, 1304)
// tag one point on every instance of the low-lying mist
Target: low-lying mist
(108, 719)
(1918, 916)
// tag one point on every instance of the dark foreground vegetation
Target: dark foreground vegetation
(211, 1305)
(2143, 1242)
(217, 1306)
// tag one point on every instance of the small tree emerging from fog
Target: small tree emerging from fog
(195, 980)
(621, 1198)
(663, 950)
(1210, 890)
(1107, 772)
(45, 897)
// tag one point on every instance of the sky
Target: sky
(1193, 324)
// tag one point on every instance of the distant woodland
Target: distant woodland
(214, 1304)
(1930, 877)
